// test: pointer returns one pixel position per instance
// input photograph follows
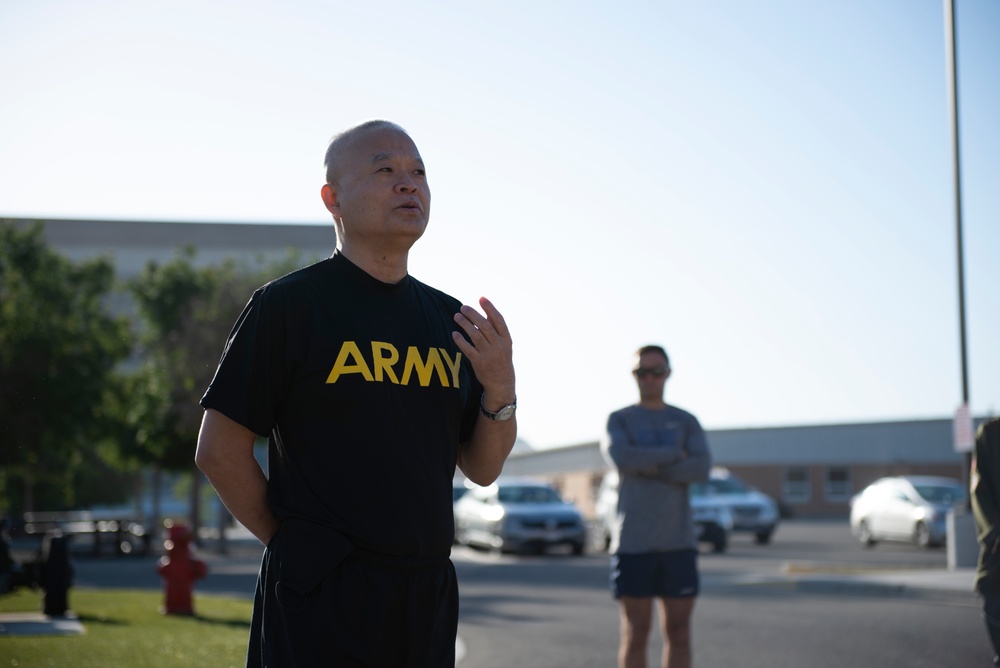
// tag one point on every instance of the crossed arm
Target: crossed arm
(675, 465)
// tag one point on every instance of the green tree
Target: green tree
(186, 314)
(162, 401)
(59, 347)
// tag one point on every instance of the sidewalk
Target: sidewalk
(824, 578)
(37, 624)
(910, 582)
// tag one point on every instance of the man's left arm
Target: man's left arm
(695, 465)
(490, 352)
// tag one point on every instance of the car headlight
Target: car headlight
(493, 514)
(931, 515)
(720, 515)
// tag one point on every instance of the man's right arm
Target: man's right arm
(225, 455)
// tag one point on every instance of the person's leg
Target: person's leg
(636, 620)
(991, 615)
(675, 621)
(432, 624)
(676, 600)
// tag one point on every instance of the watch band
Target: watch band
(505, 412)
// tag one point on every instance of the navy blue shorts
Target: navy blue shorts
(655, 574)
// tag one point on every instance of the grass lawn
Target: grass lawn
(125, 628)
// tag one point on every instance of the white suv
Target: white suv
(712, 518)
(753, 511)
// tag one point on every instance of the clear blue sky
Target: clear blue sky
(764, 187)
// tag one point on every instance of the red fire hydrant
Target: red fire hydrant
(179, 570)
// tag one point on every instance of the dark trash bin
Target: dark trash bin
(56, 575)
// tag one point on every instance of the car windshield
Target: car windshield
(527, 494)
(941, 493)
(727, 486)
(698, 488)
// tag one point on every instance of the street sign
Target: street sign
(963, 429)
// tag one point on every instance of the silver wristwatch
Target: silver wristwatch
(505, 413)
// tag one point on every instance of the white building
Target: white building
(810, 470)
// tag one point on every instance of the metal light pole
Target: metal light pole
(961, 539)
(952, 73)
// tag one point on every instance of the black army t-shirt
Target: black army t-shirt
(364, 397)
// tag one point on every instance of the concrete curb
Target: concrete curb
(37, 624)
(888, 582)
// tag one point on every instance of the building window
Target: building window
(797, 488)
(838, 484)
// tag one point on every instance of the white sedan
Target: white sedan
(905, 508)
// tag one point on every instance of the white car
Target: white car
(713, 520)
(905, 508)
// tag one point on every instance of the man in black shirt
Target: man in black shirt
(371, 387)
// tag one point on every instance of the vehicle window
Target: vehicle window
(698, 488)
(727, 486)
(941, 493)
(526, 494)
(898, 495)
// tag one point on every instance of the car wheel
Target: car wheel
(762, 537)
(922, 535)
(865, 535)
(717, 537)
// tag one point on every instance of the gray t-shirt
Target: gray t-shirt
(657, 453)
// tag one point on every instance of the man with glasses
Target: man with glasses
(658, 450)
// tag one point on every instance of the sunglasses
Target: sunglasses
(655, 372)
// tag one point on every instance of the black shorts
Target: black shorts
(655, 574)
(368, 610)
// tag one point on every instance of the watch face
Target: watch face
(505, 413)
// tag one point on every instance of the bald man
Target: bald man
(371, 388)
